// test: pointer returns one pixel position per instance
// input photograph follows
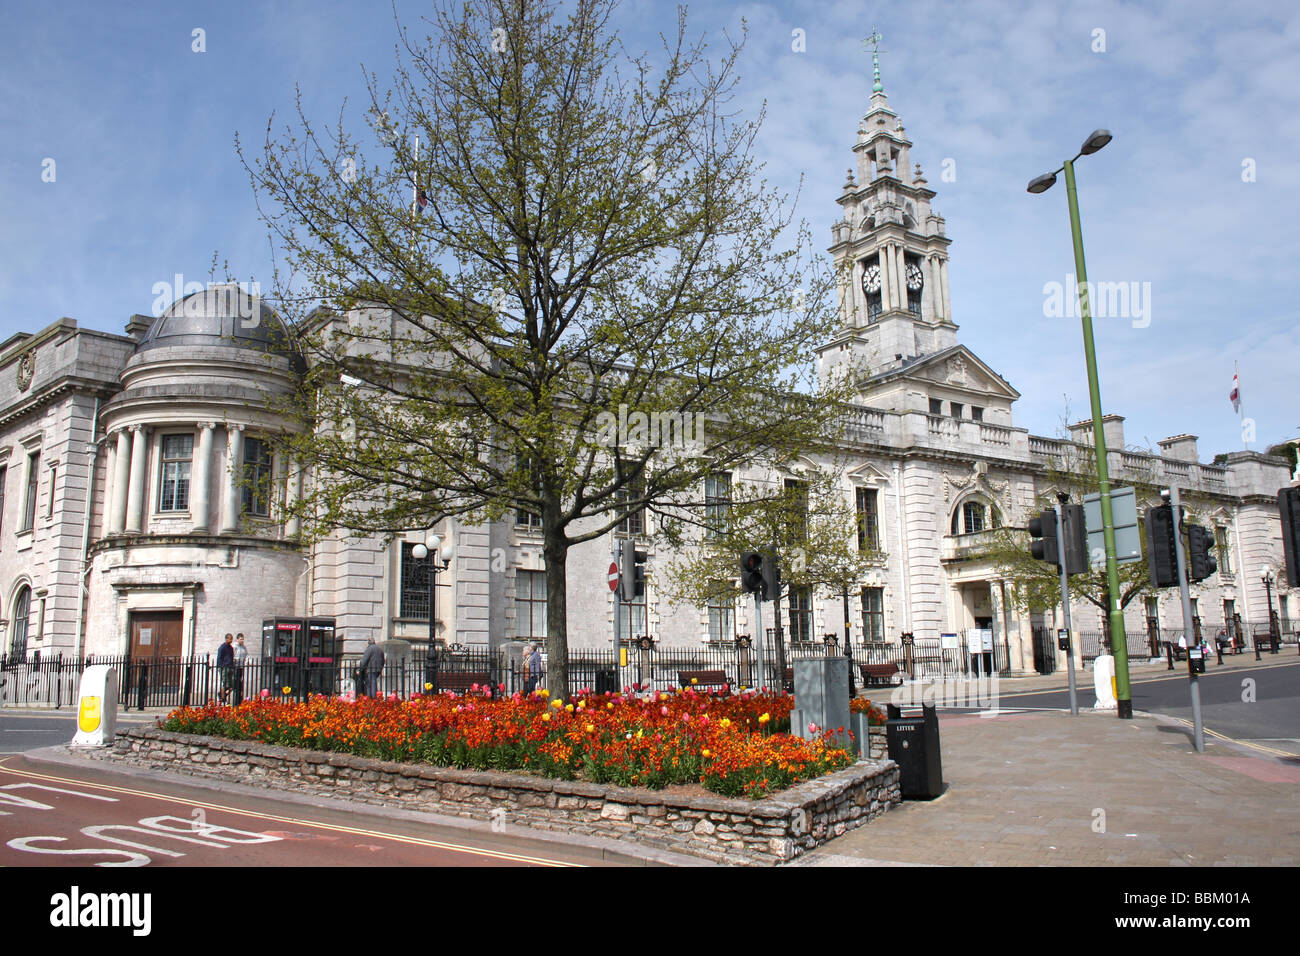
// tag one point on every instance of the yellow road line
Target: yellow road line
(1147, 680)
(356, 831)
(1233, 740)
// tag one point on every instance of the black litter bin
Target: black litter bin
(607, 682)
(914, 746)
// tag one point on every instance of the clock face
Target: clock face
(871, 279)
(914, 277)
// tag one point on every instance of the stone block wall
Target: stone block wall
(724, 830)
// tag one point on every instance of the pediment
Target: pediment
(961, 368)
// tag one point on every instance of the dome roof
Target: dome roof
(220, 315)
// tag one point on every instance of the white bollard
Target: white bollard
(1103, 682)
(96, 707)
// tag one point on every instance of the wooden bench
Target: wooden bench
(463, 683)
(881, 675)
(702, 679)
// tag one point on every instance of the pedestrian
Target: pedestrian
(533, 668)
(372, 665)
(226, 666)
(241, 660)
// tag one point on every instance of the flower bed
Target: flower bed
(731, 744)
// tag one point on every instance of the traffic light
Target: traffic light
(1200, 553)
(760, 573)
(631, 570)
(1288, 505)
(1075, 533)
(1160, 547)
(1043, 530)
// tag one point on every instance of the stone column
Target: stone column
(200, 485)
(888, 279)
(110, 469)
(932, 290)
(900, 274)
(292, 492)
(230, 487)
(121, 477)
(943, 287)
(135, 495)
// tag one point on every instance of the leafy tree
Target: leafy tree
(806, 522)
(579, 238)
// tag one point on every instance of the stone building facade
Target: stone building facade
(138, 482)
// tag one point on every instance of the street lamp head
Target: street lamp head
(445, 553)
(1042, 183)
(419, 552)
(1095, 141)
(433, 542)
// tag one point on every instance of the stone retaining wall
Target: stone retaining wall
(749, 832)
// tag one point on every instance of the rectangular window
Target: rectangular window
(797, 497)
(257, 477)
(1284, 613)
(530, 605)
(1225, 553)
(957, 408)
(54, 483)
(717, 502)
(634, 522)
(873, 614)
(973, 517)
(523, 517)
(174, 494)
(801, 617)
(29, 498)
(414, 599)
(722, 618)
(4, 473)
(976, 413)
(868, 520)
(936, 406)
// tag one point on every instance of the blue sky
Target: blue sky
(1197, 195)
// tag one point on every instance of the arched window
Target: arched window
(974, 516)
(22, 609)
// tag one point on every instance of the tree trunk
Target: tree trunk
(556, 550)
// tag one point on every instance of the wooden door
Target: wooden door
(155, 634)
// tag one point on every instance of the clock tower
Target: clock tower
(890, 252)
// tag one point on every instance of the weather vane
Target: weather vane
(874, 40)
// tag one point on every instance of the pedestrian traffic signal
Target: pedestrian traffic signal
(1200, 553)
(1045, 547)
(760, 573)
(1160, 547)
(631, 570)
(1288, 505)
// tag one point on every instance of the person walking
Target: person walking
(372, 665)
(533, 669)
(241, 660)
(226, 666)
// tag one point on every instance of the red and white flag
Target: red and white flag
(1235, 395)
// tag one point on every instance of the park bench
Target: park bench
(703, 679)
(881, 675)
(464, 683)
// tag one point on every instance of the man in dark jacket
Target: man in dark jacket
(372, 665)
(226, 666)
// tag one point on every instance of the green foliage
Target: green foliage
(597, 244)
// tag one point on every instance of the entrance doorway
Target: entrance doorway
(156, 650)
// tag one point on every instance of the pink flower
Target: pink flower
(812, 728)
(664, 711)
(473, 687)
(265, 693)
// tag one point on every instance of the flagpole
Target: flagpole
(1241, 407)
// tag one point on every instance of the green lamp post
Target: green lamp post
(1118, 641)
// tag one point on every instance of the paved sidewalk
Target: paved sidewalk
(1047, 789)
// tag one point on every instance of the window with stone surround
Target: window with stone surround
(873, 614)
(975, 516)
(801, 616)
(22, 611)
(717, 503)
(1225, 552)
(29, 498)
(868, 519)
(256, 484)
(413, 602)
(722, 616)
(530, 605)
(177, 456)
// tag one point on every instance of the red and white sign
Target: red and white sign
(613, 576)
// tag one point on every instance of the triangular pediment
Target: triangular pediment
(957, 367)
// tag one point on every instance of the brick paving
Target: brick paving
(1031, 790)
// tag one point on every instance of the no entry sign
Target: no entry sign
(613, 576)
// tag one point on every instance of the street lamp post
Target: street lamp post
(1267, 578)
(1118, 641)
(435, 550)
